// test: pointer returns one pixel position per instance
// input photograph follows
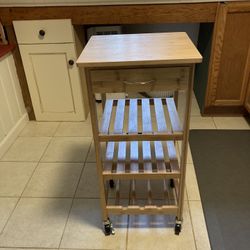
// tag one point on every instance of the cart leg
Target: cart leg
(108, 227)
(177, 228)
(111, 183)
(184, 149)
(171, 183)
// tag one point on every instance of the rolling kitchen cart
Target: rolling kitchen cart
(135, 139)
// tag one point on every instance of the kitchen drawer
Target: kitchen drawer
(137, 80)
(44, 31)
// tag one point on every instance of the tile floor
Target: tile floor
(49, 194)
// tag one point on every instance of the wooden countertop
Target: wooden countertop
(139, 49)
(24, 3)
(5, 49)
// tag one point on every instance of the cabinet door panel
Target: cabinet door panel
(53, 82)
(54, 85)
(247, 101)
(232, 80)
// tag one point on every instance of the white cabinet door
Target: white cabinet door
(54, 84)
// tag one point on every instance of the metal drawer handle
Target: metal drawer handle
(41, 32)
(71, 62)
(140, 83)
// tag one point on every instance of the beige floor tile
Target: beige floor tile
(199, 225)
(54, 180)
(27, 149)
(67, 149)
(198, 122)
(34, 128)
(84, 228)
(91, 154)
(36, 223)
(157, 232)
(189, 154)
(88, 186)
(191, 183)
(16, 248)
(14, 177)
(75, 128)
(231, 123)
(6, 207)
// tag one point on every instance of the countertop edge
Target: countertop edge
(5, 49)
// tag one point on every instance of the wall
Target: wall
(13, 115)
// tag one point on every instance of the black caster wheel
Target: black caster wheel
(111, 183)
(171, 183)
(177, 228)
(108, 228)
(98, 101)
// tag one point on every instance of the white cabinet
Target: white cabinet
(13, 115)
(56, 88)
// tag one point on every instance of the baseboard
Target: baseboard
(12, 135)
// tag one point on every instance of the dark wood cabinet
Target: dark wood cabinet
(247, 99)
(230, 60)
(221, 81)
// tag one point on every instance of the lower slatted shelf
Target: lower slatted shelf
(142, 197)
(149, 209)
(141, 160)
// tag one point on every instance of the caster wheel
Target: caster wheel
(177, 228)
(98, 101)
(171, 183)
(111, 183)
(108, 228)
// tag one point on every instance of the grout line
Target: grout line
(59, 123)
(191, 221)
(20, 161)
(74, 196)
(214, 122)
(9, 148)
(19, 198)
(37, 163)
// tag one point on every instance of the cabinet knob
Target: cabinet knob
(71, 62)
(41, 32)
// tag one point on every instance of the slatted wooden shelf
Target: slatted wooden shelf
(149, 209)
(160, 199)
(141, 160)
(140, 120)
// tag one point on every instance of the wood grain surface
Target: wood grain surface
(115, 14)
(139, 49)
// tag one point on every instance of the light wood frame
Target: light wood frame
(178, 175)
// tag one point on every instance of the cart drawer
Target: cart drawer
(142, 79)
(44, 31)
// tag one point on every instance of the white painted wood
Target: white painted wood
(9, 91)
(8, 139)
(16, 84)
(54, 85)
(2, 134)
(13, 115)
(56, 31)
(5, 111)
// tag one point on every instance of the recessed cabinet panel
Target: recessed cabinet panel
(54, 85)
(232, 82)
(247, 102)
